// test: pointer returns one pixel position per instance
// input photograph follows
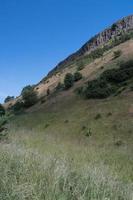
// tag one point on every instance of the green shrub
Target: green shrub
(98, 116)
(2, 110)
(117, 54)
(60, 86)
(77, 76)
(98, 88)
(68, 81)
(118, 75)
(80, 66)
(113, 27)
(48, 92)
(18, 107)
(8, 98)
(29, 96)
(126, 64)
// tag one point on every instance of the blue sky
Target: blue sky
(37, 34)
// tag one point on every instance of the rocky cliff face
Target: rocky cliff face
(120, 27)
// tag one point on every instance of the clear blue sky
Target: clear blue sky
(36, 34)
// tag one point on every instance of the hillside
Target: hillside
(66, 147)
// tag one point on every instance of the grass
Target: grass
(25, 174)
(47, 158)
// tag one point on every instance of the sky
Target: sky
(37, 34)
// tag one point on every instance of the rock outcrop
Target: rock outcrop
(120, 27)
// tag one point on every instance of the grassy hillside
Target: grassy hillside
(69, 148)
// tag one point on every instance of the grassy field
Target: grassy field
(50, 155)
(68, 148)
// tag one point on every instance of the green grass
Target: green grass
(48, 155)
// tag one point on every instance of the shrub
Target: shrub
(117, 54)
(18, 107)
(80, 66)
(60, 86)
(68, 81)
(98, 89)
(97, 53)
(29, 96)
(127, 64)
(2, 110)
(98, 116)
(113, 27)
(118, 75)
(48, 92)
(8, 98)
(77, 76)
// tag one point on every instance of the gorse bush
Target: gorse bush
(80, 66)
(117, 54)
(8, 98)
(2, 110)
(29, 96)
(98, 89)
(109, 82)
(18, 107)
(60, 86)
(122, 74)
(77, 76)
(68, 81)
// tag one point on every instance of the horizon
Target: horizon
(33, 41)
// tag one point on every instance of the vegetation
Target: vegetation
(2, 110)
(80, 66)
(117, 54)
(109, 82)
(18, 107)
(77, 76)
(3, 129)
(60, 86)
(29, 96)
(48, 92)
(83, 159)
(68, 81)
(8, 98)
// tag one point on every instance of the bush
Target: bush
(118, 75)
(117, 54)
(29, 96)
(8, 98)
(98, 116)
(48, 92)
(18, 107)
(127, 64)
(2, 110)
(77, 76)
(113, 27)
(80, 66)
(68, 81)
(60, 86)
(98, 88)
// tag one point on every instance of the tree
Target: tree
(77, 76)
(29, 96)
(68, 81)
(2, 110)
(8, 98)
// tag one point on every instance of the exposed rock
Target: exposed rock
(117, 29)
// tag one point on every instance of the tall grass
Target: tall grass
(27, 175)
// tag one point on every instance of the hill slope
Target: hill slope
(69, 148)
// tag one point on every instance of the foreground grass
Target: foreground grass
(26, 174)
(49, 156)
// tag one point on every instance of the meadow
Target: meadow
(50, 155)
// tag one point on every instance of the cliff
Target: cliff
(119, 28)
